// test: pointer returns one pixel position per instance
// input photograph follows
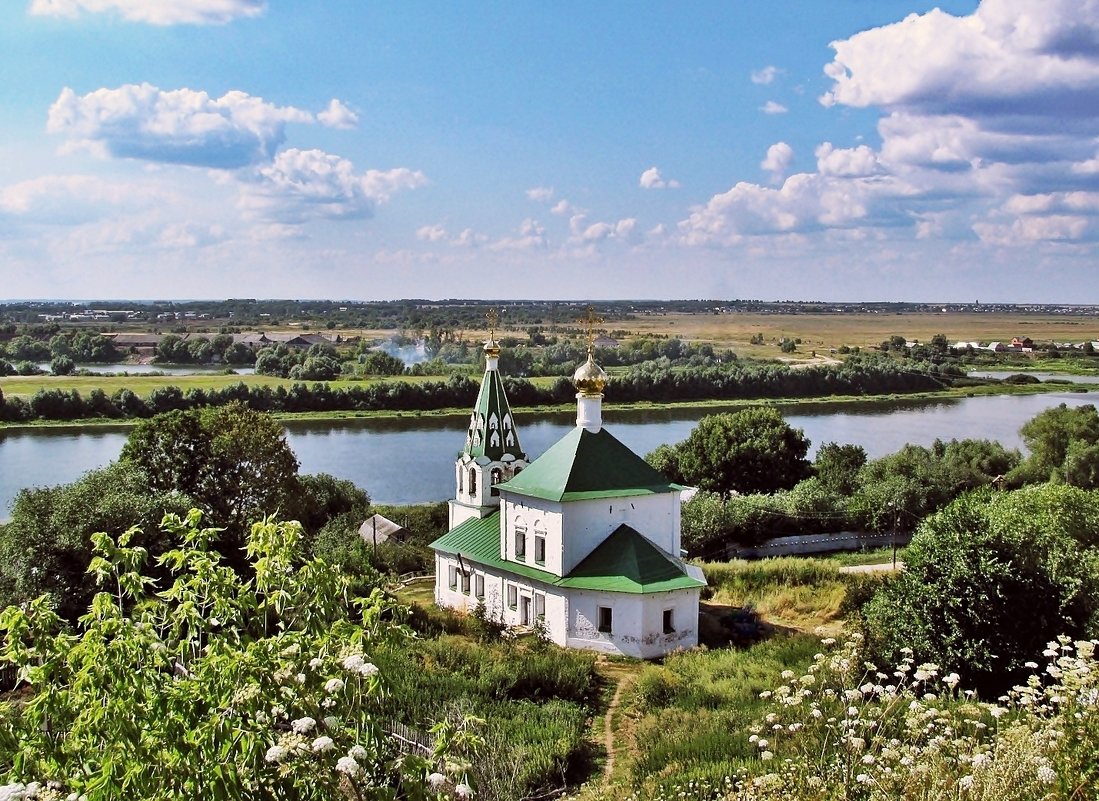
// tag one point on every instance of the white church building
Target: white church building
(584, 540)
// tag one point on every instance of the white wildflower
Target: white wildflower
(436, 780)
(303, 725)
(275, 753)
(766, 756)
(357, 752)
(348, 765)
(463, 790)
(333, 686)
(323, 743)
(315, 662)
(1047, 775)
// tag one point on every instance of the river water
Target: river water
(410, 459)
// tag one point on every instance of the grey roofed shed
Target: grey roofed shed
(379, 529)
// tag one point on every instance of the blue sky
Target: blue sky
(842, 150)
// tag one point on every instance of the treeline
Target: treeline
(652, 381)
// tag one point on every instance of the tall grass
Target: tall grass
(792, 591)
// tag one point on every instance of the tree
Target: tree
(752, 450)
(837, 466)
(666, 459)
(232, 461)
(46, 548)
(990, 579)
(1050, 434)
(62, 365)
(218, 687)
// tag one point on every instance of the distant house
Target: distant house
(1022, 342)
(377, 529)
(604, 341)
(996, 347)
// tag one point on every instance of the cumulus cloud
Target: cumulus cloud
(850, 162)
(337, 115)
(652, 179)
(562, 208)
(766, 75)
(431, 233)
(155, 12)
(778, 159)
(531, 236)
(300, 185)
(541, 194)
(771, 107)
(183, 126)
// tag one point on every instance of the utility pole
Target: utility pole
(893, 504)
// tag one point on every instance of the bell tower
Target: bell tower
(492, 453)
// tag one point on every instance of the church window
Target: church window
(521, 544)
(540, 605)
(605, 619)
(518, 469)
(461, 480)
(497, 474)
(465, 582)
(539, 548)
(479, 585)
(452, 575)
(669, 623)
(472, 481)
(513, 596)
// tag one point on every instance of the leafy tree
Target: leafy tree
(1050, 435)
(46, 548)
(837, 466)
(62, 365)
(217, 687)
(992, 578)
(233, 462)
(666, 459)
(752, 450)
(378, 362)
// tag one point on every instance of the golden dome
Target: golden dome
(590, 378)
(492, 348)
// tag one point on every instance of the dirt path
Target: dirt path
(616, 735)
(608, 729)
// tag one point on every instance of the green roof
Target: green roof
(588, 464)
(624, 562)
(492, 431)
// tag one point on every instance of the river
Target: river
(410, 459)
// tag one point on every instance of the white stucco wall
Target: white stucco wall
(637, 622)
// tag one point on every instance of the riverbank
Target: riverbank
(791, 405)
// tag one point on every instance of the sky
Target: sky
(347, 149)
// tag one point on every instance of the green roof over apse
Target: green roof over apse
(624, 562)
(588, 464)
(492, 431)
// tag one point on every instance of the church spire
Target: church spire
(492, 432)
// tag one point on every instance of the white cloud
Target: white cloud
(531, 236)
(652, 179)
(431, 233)
(155, 12)
(541, 194)
(778, 159)
(469, 238)
(771, 107)
(766, 75)
(337, 115)
(70, 199)
(300, 185)
(850, 162)
(563, 208)
(178, 127)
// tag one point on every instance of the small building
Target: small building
(605, 342)
(377, 529)
(583, 541)
(1022, 342)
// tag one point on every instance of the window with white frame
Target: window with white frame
(513, 596)
(540, 605)
(452, 576)
(605, 619)
(465, 582)
(521, 544)
(539, 547)
(479, 585)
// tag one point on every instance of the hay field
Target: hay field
(826, 331)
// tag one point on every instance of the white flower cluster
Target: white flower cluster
(356, 664)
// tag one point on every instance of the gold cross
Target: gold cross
(590, 321)
(493, 318)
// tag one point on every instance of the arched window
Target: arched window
(472, 481)
(461, 479)
(496, 475)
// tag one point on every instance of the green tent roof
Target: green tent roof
(588, 464)
(492, 432)
(624, 562)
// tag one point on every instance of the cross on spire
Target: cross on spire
(590, 321)
(493, 319)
